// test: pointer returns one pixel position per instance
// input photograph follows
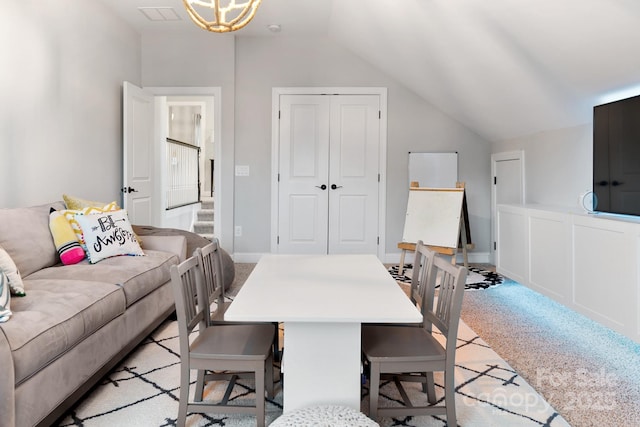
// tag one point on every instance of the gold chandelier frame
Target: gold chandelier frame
(228, 15)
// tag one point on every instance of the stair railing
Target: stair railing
(183, 174)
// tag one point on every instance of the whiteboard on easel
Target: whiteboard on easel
(433, 216)
(433, 170)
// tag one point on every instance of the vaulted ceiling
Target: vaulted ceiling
(504, 68)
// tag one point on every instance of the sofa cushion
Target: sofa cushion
(70, 215)
(108, 234)
(55, 316)
(25, 235)
(74, 202)
(64, 238)
(137, 275)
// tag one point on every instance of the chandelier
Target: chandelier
(221, 16)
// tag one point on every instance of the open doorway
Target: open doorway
(207, 102)
(190, 148)
(145, 133)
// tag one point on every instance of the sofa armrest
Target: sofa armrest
(173, 244)
(7, 384)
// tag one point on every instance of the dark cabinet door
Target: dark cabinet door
(601, 157)
(624, 156)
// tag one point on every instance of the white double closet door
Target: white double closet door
(329, 172)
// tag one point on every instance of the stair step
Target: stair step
(205, 215)
(203, 227)
(206, 202)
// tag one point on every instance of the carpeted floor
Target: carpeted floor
(143, 391)
(588, 373)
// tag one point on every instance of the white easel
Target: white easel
(438, 217)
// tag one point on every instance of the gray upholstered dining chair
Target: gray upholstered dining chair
(405, 353)
(210, 261)
(422, 264)
(231, 351)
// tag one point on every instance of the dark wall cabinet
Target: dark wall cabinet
(616, 156)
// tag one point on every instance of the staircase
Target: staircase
(204, 221)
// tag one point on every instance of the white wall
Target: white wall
(62, 100)
(558, 164)
(63, 64)
(248, 68)
(200, 59)
(413, 125)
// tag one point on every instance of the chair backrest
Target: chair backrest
(186, 277)
(209, 258)
(443, 312)
(421, 267)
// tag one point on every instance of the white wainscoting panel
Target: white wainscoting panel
(590, 263)
(550, 255)
(605, 272)
(512, 245)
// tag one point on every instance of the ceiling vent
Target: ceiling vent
(160, 13)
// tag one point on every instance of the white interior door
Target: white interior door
(304, 174)
(353, 174)
(138, 154)
(329, 164)
(508, 184)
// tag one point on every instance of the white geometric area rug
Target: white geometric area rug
(143, 391)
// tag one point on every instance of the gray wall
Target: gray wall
(61, 113)
(558, 164)
(413, 125)
(200, 59)
(61, 90)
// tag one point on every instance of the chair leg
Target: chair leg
(374, 390)
(259, 372)
(449, 398)
(199, 385)
(276, 343)
(269, 377)
(429, 387)
(184, 395)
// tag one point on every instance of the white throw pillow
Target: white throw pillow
(5, 297)
(108, 234)
(9, 267)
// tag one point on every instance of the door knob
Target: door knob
(334, 187)
(322, 187)
(129, 190)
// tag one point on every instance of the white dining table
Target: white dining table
(322, 301)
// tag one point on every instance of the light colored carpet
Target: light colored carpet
(589, 373)
(554, 348)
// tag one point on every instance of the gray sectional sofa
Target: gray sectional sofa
(76, 321)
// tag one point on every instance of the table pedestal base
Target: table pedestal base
(321, 365)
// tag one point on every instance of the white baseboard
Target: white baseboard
(389, 258)
(246, 257)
